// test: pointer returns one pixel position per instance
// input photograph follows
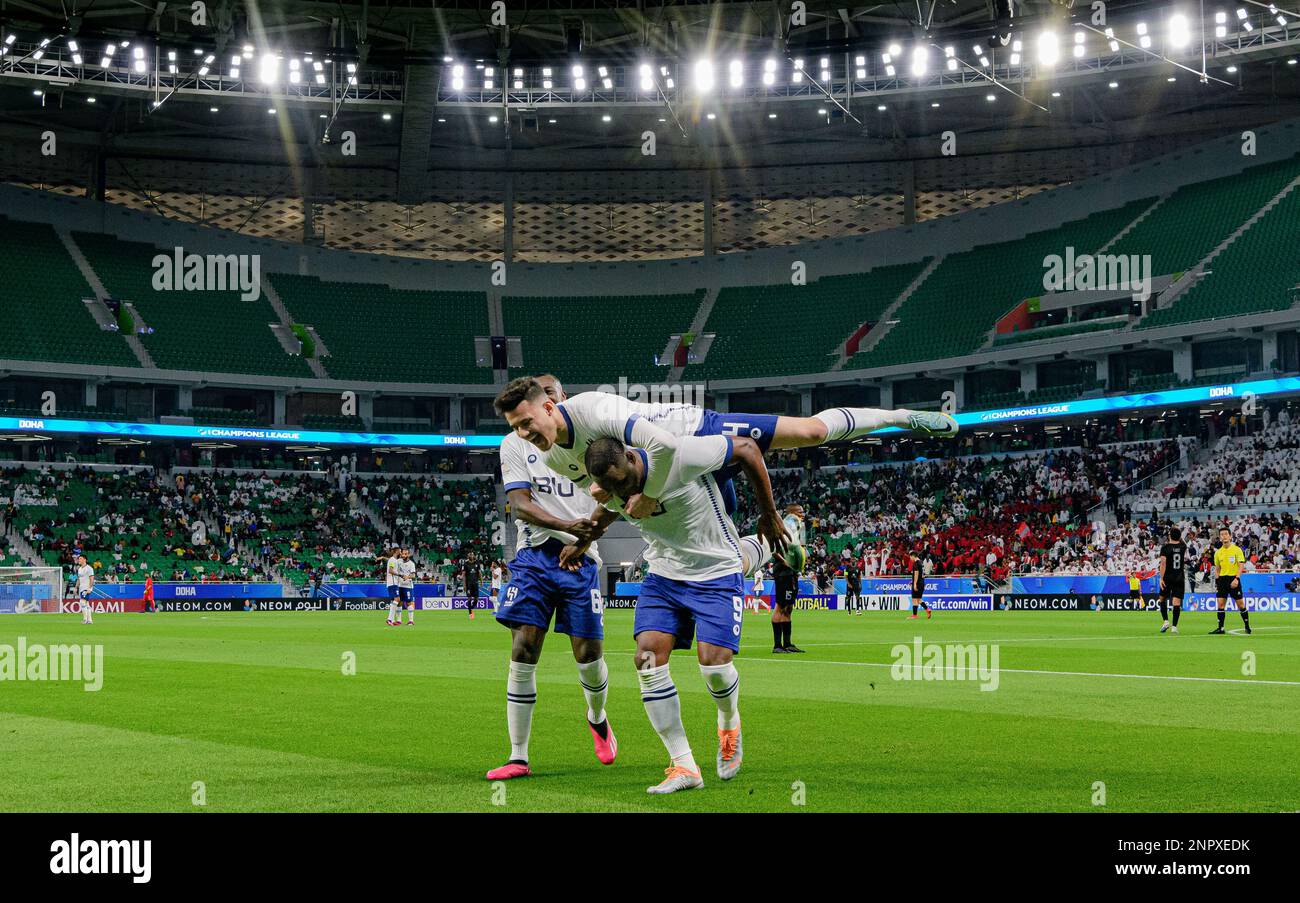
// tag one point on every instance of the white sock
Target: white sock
(392, 611)
(850, 423)
(724, 683)
(521, 696)
(756, 551)
(410, 615)
(665, 711)
(594, 677)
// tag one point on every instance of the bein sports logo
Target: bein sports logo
(181, 272)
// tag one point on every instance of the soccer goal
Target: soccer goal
(30, 590)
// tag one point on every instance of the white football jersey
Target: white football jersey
(522, 467)
(407, 573)
(600, 415)
(85, 576)
(689, 536)
(393, 571)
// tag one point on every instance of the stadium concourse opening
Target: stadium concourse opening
(953, 347)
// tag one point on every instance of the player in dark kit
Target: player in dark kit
(787, 586)
(1173, 578)
(471, 587)
(918, 589)
(853, 587)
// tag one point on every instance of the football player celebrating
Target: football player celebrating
(695, 585)
(551, 513)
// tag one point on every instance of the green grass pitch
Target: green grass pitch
(257, 707)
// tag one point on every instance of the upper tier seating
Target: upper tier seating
(597, 339)
(45, 318)
(379, 333)
(952, 312)
(193, 330)
(780, 330)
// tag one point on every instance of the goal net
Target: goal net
(30, 590)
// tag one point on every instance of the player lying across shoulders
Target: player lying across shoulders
(695, 585)
(563, 430)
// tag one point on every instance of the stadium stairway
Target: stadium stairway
(1164, 312)
(870, 340)
(21, 546)
(698, 323)
(286, 326)
(101, 294)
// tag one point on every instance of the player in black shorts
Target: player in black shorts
(918, 588)
(1173, 578)
(786, 590)
(471, 588)
(853, 588)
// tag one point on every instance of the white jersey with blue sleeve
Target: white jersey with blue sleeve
(522, 468)
(689, 536)
(601, 415)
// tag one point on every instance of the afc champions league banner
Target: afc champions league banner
(1262, 591)
(941, 594)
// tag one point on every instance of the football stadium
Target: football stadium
(883, 409)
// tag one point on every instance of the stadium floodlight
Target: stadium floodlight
(771, 115)
(139, 63)
(295, 72)
(40, 50)
(579, 77)
(647, 78)
(704, 76)
(609, 118)
(519, 78)
(605, 80)
(1232, 70)
(268, 70)
(769, 72)
(546, 78)
(1277, 16)
(880, 108)
(990, 97)
(1220, 24)
(1113, 85)
(1144, 39)
(826, 68)
(106, 58)
(920, 60)
(489, 78)
(1180, 32)
(1049, 48)
(736, 73)
(797, 75)
(90, 100)
(1242, 18)
(458, 77)
(1110, 37)
(234, 65)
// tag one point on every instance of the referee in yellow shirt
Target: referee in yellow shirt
(1228, 559)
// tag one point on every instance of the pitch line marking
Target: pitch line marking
(1217, 680)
